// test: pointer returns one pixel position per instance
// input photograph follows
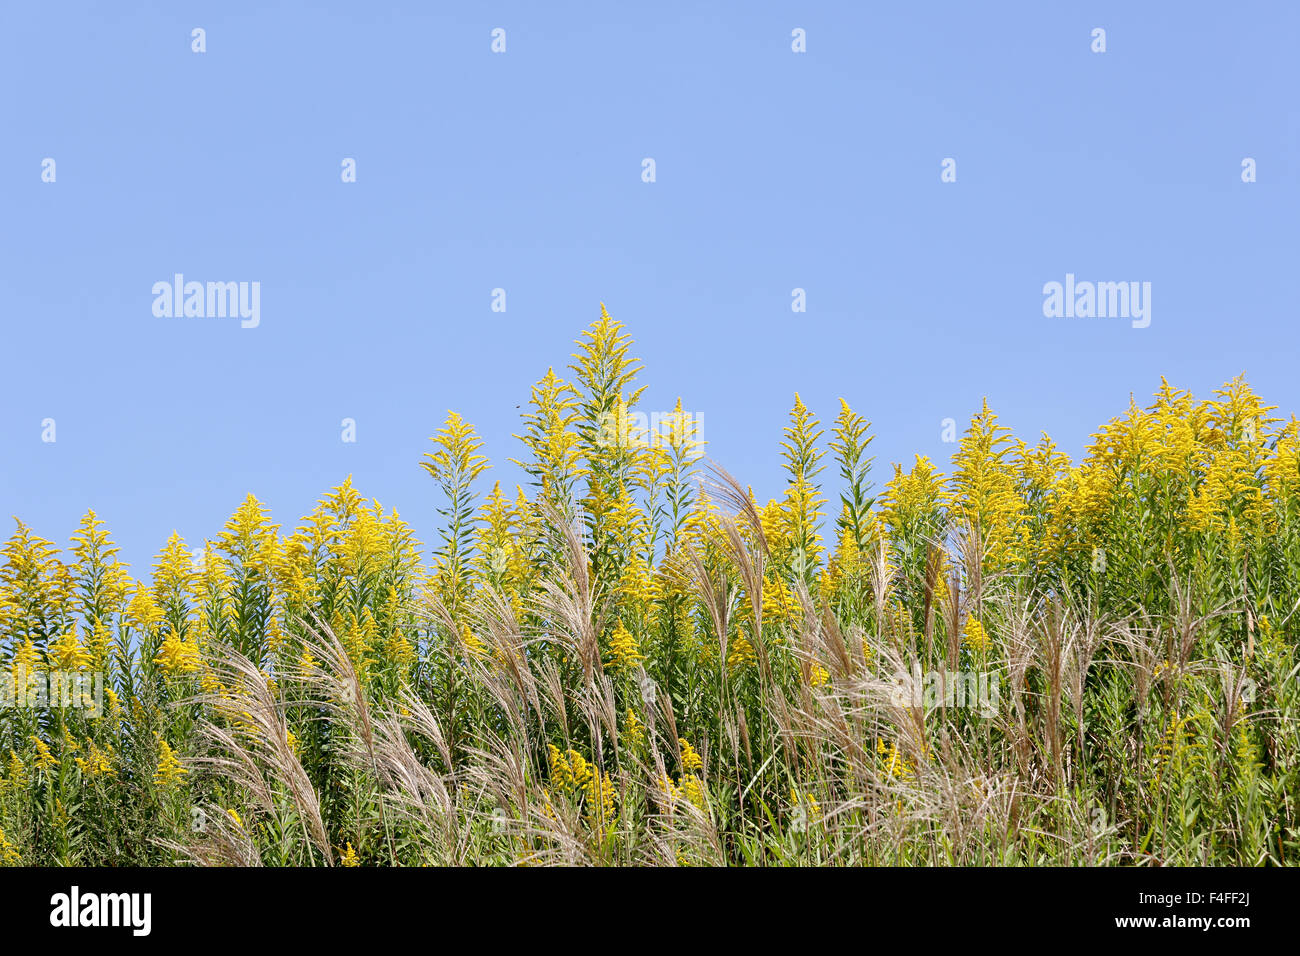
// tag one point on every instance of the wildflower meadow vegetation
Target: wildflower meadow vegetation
(631, 660)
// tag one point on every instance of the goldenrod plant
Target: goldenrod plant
(631, 660)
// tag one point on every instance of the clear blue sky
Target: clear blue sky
(522, 170)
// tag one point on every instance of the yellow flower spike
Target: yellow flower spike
(670, 788)
(806, 804)
(97, 641)
(912, 503)
(693, 790)
(249, 541)
(473, 644)
(96, 763)
(602, 799)
(894, 763)
(27, 658)
(35, 577)
(625, 652)
(455, 466)
(142, 614)
(357, 638)
(44, 759)
(177, 656)
(561, 777)
(984, 497)
(101, 761)
(495, 544)
(974, 635)
(803, 502)
(68, 654)
(276, 639)
(306, 661)
(210, 682)
(169, 770)
(9, 855)
(691, 761)
(633, 731)
(16, 770)
(399, 649)
(581, 770)
(555, 455)
(639, 586)
(173, 573)
(741, 653)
